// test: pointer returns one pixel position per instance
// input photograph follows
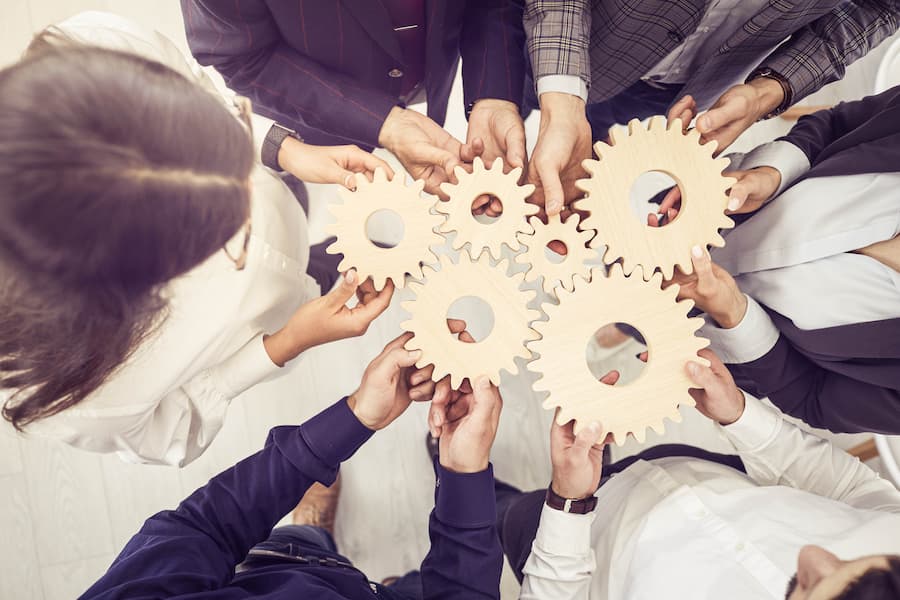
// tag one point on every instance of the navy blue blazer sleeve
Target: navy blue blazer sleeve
(196, 547)
(242, 41)
(466, 559)
(820, 397)
(492, 46)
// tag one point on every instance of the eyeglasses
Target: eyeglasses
(244, 110)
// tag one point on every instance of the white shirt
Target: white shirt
(686, 528)
(168, 401)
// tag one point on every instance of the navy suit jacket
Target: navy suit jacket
(844, 378)
(321, 67)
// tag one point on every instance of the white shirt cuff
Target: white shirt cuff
(243, 369)
(783, 156)
(749, 340)
(756, 428)
(564, 534)
(565, 84)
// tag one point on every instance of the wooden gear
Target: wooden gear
(681, 156)
(370, 260)
(503, 230)
(572, 264)
(451, 356)
(663, 384)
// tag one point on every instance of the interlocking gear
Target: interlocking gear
(663, 384)
(682, 157)
(504, 229)
(563, 271)
(373, 261)
(451, 356)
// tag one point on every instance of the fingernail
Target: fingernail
(697, 251)
(703, 122)
(594, 427)
(415, 354)
(693, 368)
(350, 276)
(735, 203)
(483, 382)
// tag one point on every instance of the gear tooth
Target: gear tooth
(676, 125)
(447, 188)
(717, 241)
(478, 165)
(658, 123)
(667, 270)
(380, 176)
(659, 427)
(656, 280)
(640, 434)
(727, 223)
(635, 127)
(417, 186)
(515, 174)
(693, 136)
(710, 146)
(600, 147)
(497, 164)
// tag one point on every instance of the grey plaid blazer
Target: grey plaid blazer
(611, 44)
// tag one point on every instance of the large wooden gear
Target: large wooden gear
(562, 272)
(451, 356)
(690, 164)
(663, 384)
(373, 261)
(503, 230)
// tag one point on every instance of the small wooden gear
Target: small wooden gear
(663, 384)
(449, 355)
(503, 230)
(681, 156)
(562, 272)
(373, 261)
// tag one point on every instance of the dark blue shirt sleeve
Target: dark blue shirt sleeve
(196, 547)
(466, 559)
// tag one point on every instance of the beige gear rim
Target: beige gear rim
(503, 230)
(450, 356)
(575, 262)
(690, 164)
(663, 384)
(360, 253)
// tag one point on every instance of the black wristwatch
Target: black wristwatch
(581, 506)
(785, 88)
(272, 144)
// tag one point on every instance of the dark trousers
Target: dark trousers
(292, 541)
(519, 513)
(639, 101)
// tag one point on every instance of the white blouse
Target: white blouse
(168, 401)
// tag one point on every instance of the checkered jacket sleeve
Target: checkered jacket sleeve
(559, 35)
(820, 52)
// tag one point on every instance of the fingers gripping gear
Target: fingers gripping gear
(450, 356)
(662, 386)
(681, 156)
(572, 264)
(373, 261)
(503, 230)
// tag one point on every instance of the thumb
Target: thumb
(344, 290)
(486, 397)
(345, 178)
(702, 267)
(587, 438)
(554, 196)
(701, 375)
(396, 359)
(515, 148)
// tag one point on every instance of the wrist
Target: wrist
(467, 465)
(578, 506)
(386, 134)
(556, 104)
(282, 346)
(770, 96)
(290, 155)
(732, 317)
(740, 404)
(353, 404)
(559, 487)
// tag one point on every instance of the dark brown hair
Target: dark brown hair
(875, 584)
(117, 174)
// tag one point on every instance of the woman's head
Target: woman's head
(116, 175)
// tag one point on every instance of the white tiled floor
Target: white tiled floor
(65, 514)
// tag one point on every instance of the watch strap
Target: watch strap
(578, 506)
(272, 144)
(785, 88)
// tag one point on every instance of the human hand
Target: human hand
(564, 141)
(712, 289)
(443, 394)
(685, 109)
(424, 148)
(386, 390)
(328, 164)
(577, 459)
(473, 415)
(327, 319)
(717, 396)
(495, 130)
(737, 109)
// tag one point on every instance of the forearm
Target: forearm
(197, 546)
(465, 560)
(562, 561)
(493, 65)
(559, 34)
(776, 452)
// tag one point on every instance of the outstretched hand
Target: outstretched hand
(577, 458)
(716, 394)
(472, 418)
(712, 289)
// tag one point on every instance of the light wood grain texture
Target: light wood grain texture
(68, 499)
(450, 356)
(563, 270)
(490, 236)
(663, 383)
(71, 579)
(19, 576)
(369, 260)
(692, 166)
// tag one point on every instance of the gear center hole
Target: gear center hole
(614, 348)
(477, 314)
(556, 251)
(486, 209)
(385, 228)
(648, 191)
